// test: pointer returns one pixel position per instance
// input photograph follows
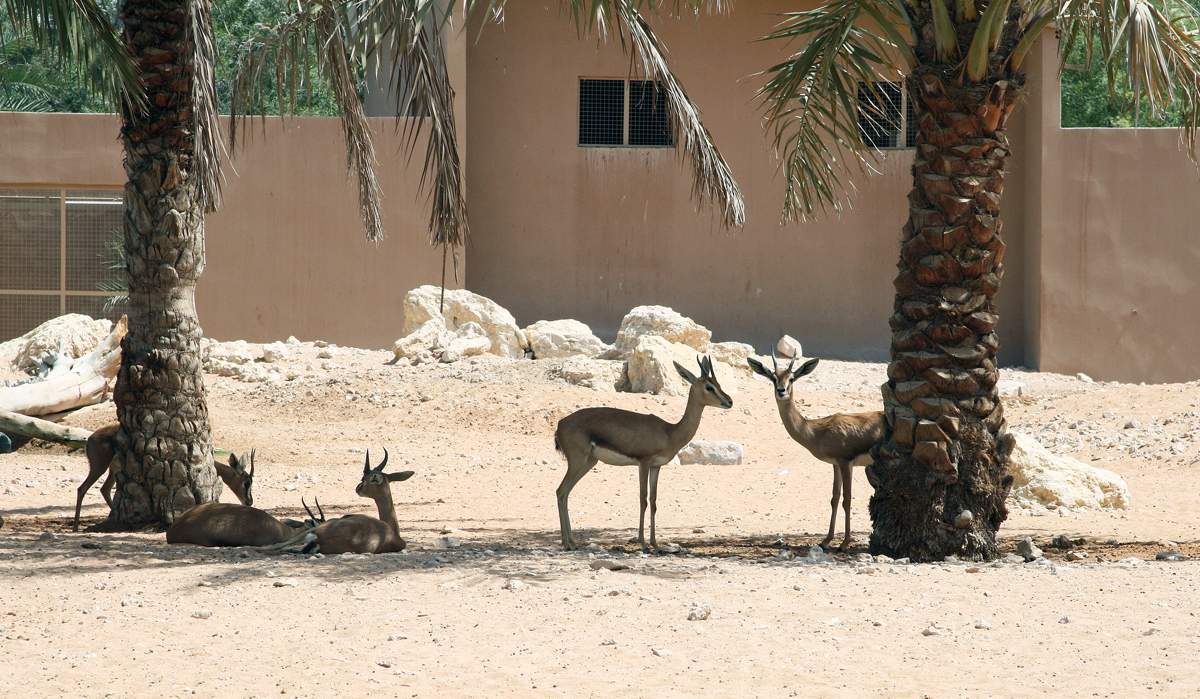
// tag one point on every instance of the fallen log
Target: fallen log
(26, 426)
(85, 384)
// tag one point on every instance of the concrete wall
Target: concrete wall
(564, 231)
(286, 254)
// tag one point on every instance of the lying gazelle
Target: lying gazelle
(843, 440)
(626, 438)
(359, 533)
(101, 447)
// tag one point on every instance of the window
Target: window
(886, 117)
(623, 113)
(57, 254)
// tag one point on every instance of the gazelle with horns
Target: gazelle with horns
(359, 533)
(843, 440)
(101, 447)
(625, 438)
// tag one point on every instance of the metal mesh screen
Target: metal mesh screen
(20, 313)
(94, 306)
(29, 239)
(601, 112)
(648, 122)
(93, 223)
(910, 121)
(879, 114)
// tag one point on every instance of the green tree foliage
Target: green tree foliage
(35, 80)
(1086, 101)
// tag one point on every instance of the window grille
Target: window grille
(623, 113)
(57, 251)
(886, 116)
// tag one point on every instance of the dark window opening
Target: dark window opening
(879, 110)
(649, 124)
(601, 112)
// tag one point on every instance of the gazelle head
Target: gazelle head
(706, 384)
(782, 377)
(238, 477)
(374, 483)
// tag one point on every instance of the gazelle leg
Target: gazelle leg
(577, 467)
(653, 505)
(92, 476)
(847, 481)
(833, 504)
(643, 480)
(107, 487)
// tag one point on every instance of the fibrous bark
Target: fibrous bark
(164, 457)
(939, 476)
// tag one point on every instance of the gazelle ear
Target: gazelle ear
(805, 369)
(758, 368)
(402, 476)
(687, 375)
(234, 462)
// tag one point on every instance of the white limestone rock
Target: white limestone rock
(712, 453)
(550, 339)
(650, 368)
(1041, 478)
(734, 354)
(469, 340)
(662, 322)
(462, 306)
(599, 374)
(72, 335)
(235, 352)
(789, 347)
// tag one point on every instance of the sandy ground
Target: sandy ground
(508, 614)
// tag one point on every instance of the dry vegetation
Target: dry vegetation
(484, 603)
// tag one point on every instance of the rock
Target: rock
(606, 564)
(325, 354)
(1084, 378)
(1009, 388)
(72, 335)
(275, 352)
(600, 374)
(1170, 556)
(249, 373)
(734, 354)
(660, 652)
(1013, 558)
(983, 625)
(650, 367)
(711, 453)
(816, 554)
(1028, 551)
(447, 542)
(236, 352)
(514, 585)
(462, 306)
(469, 340)
(284, 582)
(202, 614)
(1064, 619)
(1049, 480)
(964, 519)
(789, 347)
(662, 322)
(1076, 555)
(931, 631)
(1132, 425)
(699, 612)
(1062, 541)
(549, 339)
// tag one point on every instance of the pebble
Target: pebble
(1170, 556)
(983, 625)
(91, 545)
(1028, 551)
(1064, 619)
(1077, 555)
(699, 612)
(660, 652)
(514, 585)
(447, 542)
(608, 642)
(930, 631)
(1084, 378)
(1062, 541)
(1132, 425)
(284, 582)
(202, 614)
(606, 564)
(383, 663)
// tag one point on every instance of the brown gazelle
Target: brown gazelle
(626, 438)
(101, 447)
(843, 440)
(360, 533)
(229, 524)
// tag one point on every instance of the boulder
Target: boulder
(462, 306)
(789, 347)
(712, 453)
(650, 368)
(550, 339)
(1046, 479)
(732, 353)
(660, 321)
(73, 335)
(422, 344)
(600, 374)
(236, 352)
(469, 340)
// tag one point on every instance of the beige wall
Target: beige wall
(286, 254)
(564, 231)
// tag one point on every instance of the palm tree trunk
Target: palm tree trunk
(940, 474)
(164, 459)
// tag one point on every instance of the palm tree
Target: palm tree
(940, 473)
(173, 159)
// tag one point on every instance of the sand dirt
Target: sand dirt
(508, 614)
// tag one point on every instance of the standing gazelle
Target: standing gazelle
(101, 446)
(625, 438)
(843, 440)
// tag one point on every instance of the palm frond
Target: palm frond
(811, 99)
(208, 146)
(599, 16)
(83, 35)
